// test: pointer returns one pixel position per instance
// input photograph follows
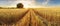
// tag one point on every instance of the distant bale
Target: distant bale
(19, 5)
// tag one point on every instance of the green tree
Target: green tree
(19, 5)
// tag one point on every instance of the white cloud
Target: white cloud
(45, 2)
(27, 3)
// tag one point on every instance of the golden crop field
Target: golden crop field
(52, 15)
(30, 17)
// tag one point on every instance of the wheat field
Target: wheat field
(30, 17)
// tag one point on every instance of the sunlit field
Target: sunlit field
(30, 17)
(51, 15)
(11, 16)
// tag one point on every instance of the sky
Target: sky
(29, 3)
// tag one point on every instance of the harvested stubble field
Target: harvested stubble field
(30, 17)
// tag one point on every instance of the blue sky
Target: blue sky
(36, 2)
(50, 2)
(54, 2)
